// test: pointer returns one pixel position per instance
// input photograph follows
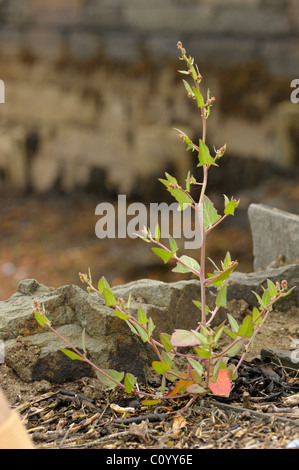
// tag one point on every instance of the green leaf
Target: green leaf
(167, 359)
(181, 197)
(129, 300)
(188, 182)
(266, 298)
(165, 340)
(71, 354)
(113, 374)
(131, 327)
(121, 315)
(165, 182)
(129, 382)
(231, 334)
(233, 323)
(222, 276)
(171, 376)
(142, 237)
(199, 98)
(142, 333)
(173, 245)
(142, 318)
(255, 314)
(160, 367)
(203, 353)
(289, 291)
(204, 155)
(150, 327)
(188, 88)
(109, 297)
(103, 283)
(246, 329)
(259, 300)
(101, 286)
(165, 255)
(196, 366)
(184, 338)
(41, 319)
(181, 268)
(272, 289)
(219, 331)
(171, 179)
(199, 305)
(187, 140)
(234, 349)
(202, 339)
(196, 389)
(150, 402)
(227, 261)
(230, 207)
(209, 213)
(221, 297)
(157, 233)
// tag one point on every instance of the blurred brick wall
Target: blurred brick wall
(68, 111)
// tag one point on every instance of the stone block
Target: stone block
(227, 52)
(55, 12)
(280, 56)
(104, 14)
(141, 15)
(253, 20)
(274, 233)
(121, 46)
(83, 45)
(34, 352)
(288, 359)
(44, 42)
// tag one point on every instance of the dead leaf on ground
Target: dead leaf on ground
(140, 431)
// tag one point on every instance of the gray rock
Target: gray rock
(241, 285)
(287, 359)
(169, 304)
(274, 233)
(70, 309)
(33, 351)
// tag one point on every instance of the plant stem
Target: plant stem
(201, 227)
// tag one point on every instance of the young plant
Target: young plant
(207, 368)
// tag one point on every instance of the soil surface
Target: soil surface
(81, 415)
(51, 239)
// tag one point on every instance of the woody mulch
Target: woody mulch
(262, 412)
